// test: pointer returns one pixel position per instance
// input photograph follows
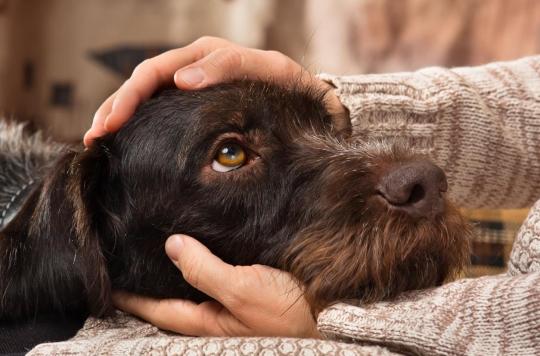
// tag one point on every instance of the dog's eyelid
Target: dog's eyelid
(218, 167)
(233, 138)
(241, 153)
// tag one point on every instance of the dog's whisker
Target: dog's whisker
(350, 219)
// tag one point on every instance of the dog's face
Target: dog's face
(259, 174)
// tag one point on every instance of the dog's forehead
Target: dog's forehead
(175, 122)
(255, 105)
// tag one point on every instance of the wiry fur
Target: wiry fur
(379, 252)
(23, 157)
(306, 202)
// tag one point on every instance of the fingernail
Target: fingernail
(86, 139)
(173, 246)
(191, 76)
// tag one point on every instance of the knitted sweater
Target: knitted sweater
(482, 125)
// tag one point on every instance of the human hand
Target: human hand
(205, 62)
(249, 300)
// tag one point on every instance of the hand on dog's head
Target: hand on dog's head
(257, 173)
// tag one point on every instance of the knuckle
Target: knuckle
(141, 67)
(283, 64)
(209, 40)
(204, 39)
(279, 58)
(191, 273)
(229, 58)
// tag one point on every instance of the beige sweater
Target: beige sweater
(482, 125)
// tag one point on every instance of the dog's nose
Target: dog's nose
(416, 188)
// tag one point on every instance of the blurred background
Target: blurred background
(59, 59)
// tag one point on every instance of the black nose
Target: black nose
(415, 187)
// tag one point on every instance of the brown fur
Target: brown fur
(306, 201)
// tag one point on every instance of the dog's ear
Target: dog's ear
(52, 256)
(89, 177)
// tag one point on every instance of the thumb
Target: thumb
(221, 65)
(232, 63)
(200, 268)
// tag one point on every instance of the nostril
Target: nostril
(417, 194)
(415, 187)
(397, 193)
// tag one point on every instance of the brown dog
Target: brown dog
(257, 173)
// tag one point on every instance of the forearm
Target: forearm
(490, 315)
(480, 124)
(525, 256)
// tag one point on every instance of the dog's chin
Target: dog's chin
(385, 255)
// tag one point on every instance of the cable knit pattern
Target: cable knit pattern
(126, 335)
(484, 316)
(481, 124)
(525, 256)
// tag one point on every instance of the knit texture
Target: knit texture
(484, 316)
(126, 335)
(482, 125)
(525, 256)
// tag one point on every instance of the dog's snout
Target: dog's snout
(416, 188)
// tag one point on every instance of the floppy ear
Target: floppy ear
(89, 175)
(51, 254)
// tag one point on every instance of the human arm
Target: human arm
(480, 124)
(249, 300)
(205, 62)
(495, 315)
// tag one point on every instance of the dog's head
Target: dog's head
(259, 174)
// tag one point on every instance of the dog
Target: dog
(259, 173)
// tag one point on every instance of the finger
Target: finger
(152, 74)
(234, 62)
(202, 269)
(182, 316)
(98, 127)
(160, 313)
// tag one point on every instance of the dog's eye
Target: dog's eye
(230, 156)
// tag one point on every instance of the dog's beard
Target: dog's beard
(378, 258)
(101, 217)
(354, 245)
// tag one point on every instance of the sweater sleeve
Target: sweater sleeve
(480, 124)
(495, 315)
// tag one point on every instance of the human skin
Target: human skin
(248, 300)
(205, 62)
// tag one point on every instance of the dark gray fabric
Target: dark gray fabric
(21, 337)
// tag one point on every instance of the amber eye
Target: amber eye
(229, 156)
